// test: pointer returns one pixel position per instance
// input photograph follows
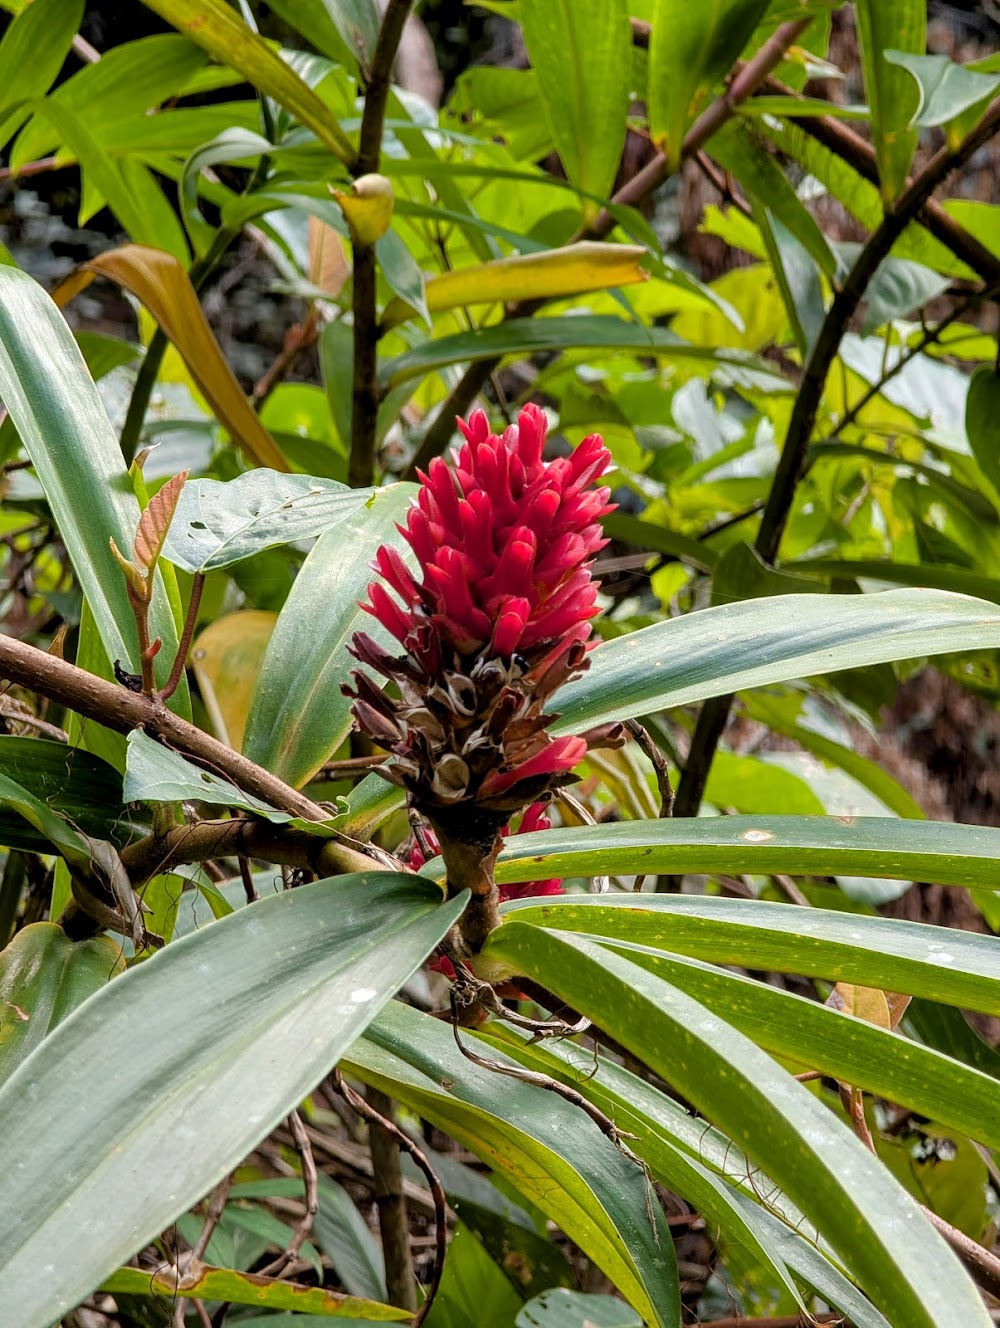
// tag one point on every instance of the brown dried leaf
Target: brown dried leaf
(868, 1003)
(155, 522)
(329, 267)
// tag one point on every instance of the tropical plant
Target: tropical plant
(668, 1015)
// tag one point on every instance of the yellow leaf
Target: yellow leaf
(866, 1003)
(573, 270)
(329, 267)
(226, 660)
(160, 282)
(367, 205)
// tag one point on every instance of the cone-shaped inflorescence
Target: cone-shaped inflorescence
(495, 620)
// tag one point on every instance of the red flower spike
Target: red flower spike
(494, 620)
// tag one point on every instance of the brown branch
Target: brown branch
(715, 713)
(122, 710)
(982, 1265)
(643, 183)
(850, 147)
(364, 415)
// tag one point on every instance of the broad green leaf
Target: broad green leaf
(127, 81)
(159, 281)
(551, 1153)
(298, 716)
(236, 1024)
(233, 144)
(219, 30)
(851, 1048)
(560, 1308)
(867, 773)
(31, 54)
(62, 422)
(868, 1219)
(695, 1160)
(322, 23)
(371, 801)
(154, 773)
(646, 535)
(526, 336)
(890, 89)
(914, 958)
(736, 646)
(473, 1288)
(43, 977)
(937, 576)
(69, 782)
(982, 421)
(950, 94)
(946, 853)
(692, 47)
(345, 1237)
(898, 288)
(218, 524)
(227, 1284)
(56, 829)
(572, 270)
(766, 184)
(580, 51)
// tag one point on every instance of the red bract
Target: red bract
(493, 621)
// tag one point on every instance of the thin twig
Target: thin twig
(468, 990)
(184, 645)
(310, 1180)
(659, 763)
(538, 1080)
(642, 184)
(403, 1141)
(212, 1218)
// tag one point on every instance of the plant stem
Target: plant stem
(177, 670)
(400, 1279)
(642, 184)
(715, 713)
(364, 416)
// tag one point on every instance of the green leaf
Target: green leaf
(345, 1237)
(691, 48)
(473, 1288)
(154, 773)
(65, 430)
(889, 88)
(982, 421)
(526, 336)
(219, 524)
(83, 789)
(227, 1284)
(44, 976)
(55, 828)
(948, 92)
(870, 1222)
(298, 716)
(580, 51)
(757, 642)
(31, 54)
(233, 144)
(219, 30)
(907, 957)
(938, 576)
(560, 1308)
(236, 1023)
(552, 1154)
(817, 1037)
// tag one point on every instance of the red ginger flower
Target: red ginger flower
(495, 621)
